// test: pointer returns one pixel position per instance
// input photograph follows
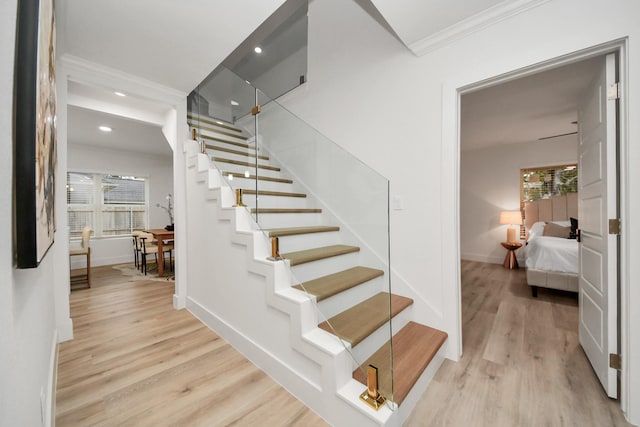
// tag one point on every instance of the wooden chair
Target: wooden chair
(148, 247)
(83, 250)
(136, 248)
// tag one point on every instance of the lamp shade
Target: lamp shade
(511, 217)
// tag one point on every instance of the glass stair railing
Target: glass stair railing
(325, 212)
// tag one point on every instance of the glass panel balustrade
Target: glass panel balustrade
(328, 212)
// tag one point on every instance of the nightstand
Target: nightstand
(510, 261)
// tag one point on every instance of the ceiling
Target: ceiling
(526, 109)
(126, 135)
(163, 41)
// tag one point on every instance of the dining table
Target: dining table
(160, 234)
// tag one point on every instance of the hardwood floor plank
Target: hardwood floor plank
(522, 363)
(136, 361)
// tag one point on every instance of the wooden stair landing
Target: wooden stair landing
(413, 349)
(328, 286)
(361, 320)
(310, 255)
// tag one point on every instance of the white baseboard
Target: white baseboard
(49, 401)
(65, 330)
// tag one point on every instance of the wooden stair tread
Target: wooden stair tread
(361, 320)
(238, 152)
(281, 232)
(284, 210)
(328, 286)
(316, 254)
(273, 193)
(414, 346)
(260, 177)
(193, 119)
(218, 131)
(241, 163)
(225, 141)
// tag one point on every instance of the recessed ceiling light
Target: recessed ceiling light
(105, 128)
(234, 103)
(119, 93)
(257, 49)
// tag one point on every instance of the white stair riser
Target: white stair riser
(347, 299)
(237, 157)
(323, 267)
(308, 241)
(266, 221)
(373, 342)
(241, 182)
(280, 202)
(239, 169)
(214, 134)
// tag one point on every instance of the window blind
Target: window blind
(545, 182)
(111, 205)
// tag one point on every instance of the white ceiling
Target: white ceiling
(174, 43)
(414, 20)
(177, 44)
(127, 135)
(526, 109)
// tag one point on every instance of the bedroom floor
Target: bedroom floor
(522, 363)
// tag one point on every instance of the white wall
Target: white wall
(158, 170)
(28, 327)
(399, 114)
(490, 183)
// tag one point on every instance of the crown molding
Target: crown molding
(474, 23)
(83, 71)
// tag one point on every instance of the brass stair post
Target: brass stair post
(275, 250)
(371, 396)
(239, 203)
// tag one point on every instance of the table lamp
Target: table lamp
(512, 218)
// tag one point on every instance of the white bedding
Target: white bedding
(551, 253)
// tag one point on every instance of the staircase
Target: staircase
(329, 284)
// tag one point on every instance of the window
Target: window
(545, 182)
(111, 205)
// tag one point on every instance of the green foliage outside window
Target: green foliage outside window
(544, 183)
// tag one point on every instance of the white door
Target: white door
(597, 203)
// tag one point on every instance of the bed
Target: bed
(551, 260)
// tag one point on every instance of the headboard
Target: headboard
(559, 208)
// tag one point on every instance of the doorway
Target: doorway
(486, 195)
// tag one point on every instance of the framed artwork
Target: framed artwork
(35, 153)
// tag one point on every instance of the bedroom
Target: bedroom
(523, 123)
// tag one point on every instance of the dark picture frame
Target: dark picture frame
(34, 114)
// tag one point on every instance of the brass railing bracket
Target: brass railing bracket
(239, 203)
(371, 396)
(275, 250)
(255, 110)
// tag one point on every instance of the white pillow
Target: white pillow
(536, 229)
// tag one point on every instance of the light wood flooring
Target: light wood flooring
(135, 361)
(522, 363)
